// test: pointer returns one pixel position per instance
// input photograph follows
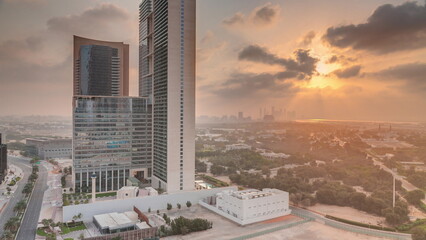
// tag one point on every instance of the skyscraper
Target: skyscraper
(167, 74)
(100, 68)
(3, 160)
(112, 140)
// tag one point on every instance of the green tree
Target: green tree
(20, 206)
(419, 233)
(169, 206)
(178, 206)
(188, 204)
(415, 197)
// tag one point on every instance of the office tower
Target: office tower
(100, 68)
(167, 73)
(111, 139)
(3, 159)
(240, 115)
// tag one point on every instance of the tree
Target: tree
(188, 204)
(178, 206)
(158, 211)
(149, 210)
(419, 233)
(20, 206)
(415, 197)
(217, 169)
(169, 206)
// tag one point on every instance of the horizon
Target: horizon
(328, 65)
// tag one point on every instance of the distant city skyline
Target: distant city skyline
(344, 60)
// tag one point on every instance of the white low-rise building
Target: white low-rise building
(238, 146)
(249, 206)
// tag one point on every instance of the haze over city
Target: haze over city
(325, 59)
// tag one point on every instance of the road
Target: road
(7, 212)
(347, 227)
(405, 184)
(30, 221)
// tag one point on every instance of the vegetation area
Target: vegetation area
(108, 194)
(183, 226)
(75, 198)
(214, 181)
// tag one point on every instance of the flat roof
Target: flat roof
(116, 220)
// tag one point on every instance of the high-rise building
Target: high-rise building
(112, 140)
(240, 116)
(167, 73)
(100, 68)
(3, 160)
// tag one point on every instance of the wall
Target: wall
(239, 221)
(143, 203)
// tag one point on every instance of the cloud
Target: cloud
(303, 65)
(266, 14)
(340, 59)
(209, 46)
(237, 18)
(249, 85)
(208, 37)
(348, 72)
(389, 29)
(267, 85)
(262, 16)
(91, 21)
(307, 39)
(42, 60)
(411, 75)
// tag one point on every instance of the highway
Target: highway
(7, 212)
(30, 221)
(347, 227)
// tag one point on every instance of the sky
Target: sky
(346, 60)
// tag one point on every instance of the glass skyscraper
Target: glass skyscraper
(111, 139)
(167, 75)
(100, 68)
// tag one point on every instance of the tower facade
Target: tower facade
(167, 75)
(111, 140)
(100, 68)
(3, 160)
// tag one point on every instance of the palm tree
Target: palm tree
(7, 235)
(20, 206)
(12, 224)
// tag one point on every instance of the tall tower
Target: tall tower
(3, 159)
(167, 73)
(100, 68)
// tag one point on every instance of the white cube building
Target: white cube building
(250, 206)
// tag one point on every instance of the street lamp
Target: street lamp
(93, 176)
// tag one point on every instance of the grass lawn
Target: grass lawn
(66, 230)
(41, 232)
(69, 239)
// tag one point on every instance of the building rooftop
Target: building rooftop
(115, 220)
(254, 193)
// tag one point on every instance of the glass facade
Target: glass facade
(145, 48)
(112, 136)
(99, 71)
(160, 89)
